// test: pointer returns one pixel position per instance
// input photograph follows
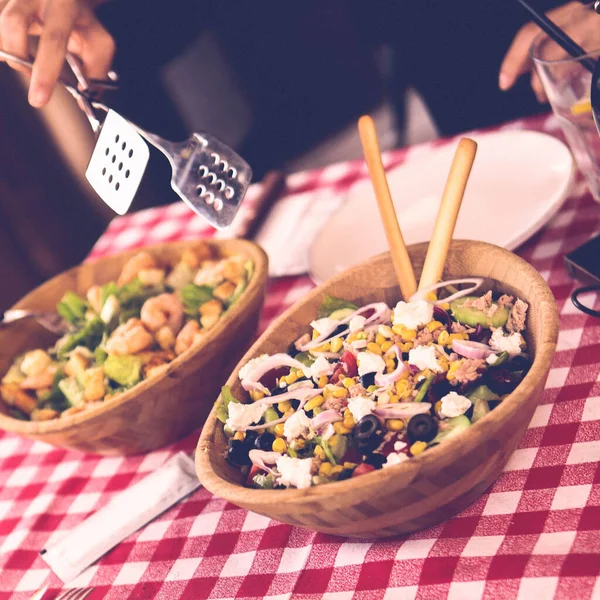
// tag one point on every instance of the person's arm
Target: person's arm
(62, 25)
(578, 20)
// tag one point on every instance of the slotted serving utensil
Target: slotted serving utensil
(50, 321)
(208, 175)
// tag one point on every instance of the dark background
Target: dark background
(306, 70)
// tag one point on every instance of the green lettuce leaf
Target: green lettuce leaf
(90, 336)
(72, 308)
(223, 407)
(194, 296)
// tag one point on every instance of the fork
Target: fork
(73, 594)
(50, 321)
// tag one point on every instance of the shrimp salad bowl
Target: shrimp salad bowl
(151, 335)
(362, 413)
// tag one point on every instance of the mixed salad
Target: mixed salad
(124, 331)
(369, 387)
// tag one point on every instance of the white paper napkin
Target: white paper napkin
(123, 515)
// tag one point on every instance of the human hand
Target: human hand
(62, 25)
(579, 21)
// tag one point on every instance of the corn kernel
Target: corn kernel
(256, 395)
(361, 335)
(323, 381)
(279, 445)
(431, 296)
(325, 469)
(348, 382)
(393, 398)
(300, 373)
(279, 429)
(349, 424)
(284, 406)
(434, 325)
(379, 339)
(385, 331)
(394, 425)
(438, 407)
(291, 378)
(386, 346)
(239, 435)
(352, 337)
(337, 470)
(326, 347)
(407, 347)
(444, 305)
(315, 334)
(410, 335)
(444, 338)
(299, 444)
(398, 329)
(443, 362)
(374, 348)
(350, 465)
(390, 364)
(336, 344)
(314, 402)
(418, 447)
(340, 392)
(341, 429)
(319, 452)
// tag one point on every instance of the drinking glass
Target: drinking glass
(567, 84)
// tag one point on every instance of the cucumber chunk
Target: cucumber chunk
(472, 316)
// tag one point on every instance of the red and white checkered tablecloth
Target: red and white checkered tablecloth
(534, 535)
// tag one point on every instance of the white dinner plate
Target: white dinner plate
(518, 182)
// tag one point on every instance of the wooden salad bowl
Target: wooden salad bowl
(431, 486)
(158, 410)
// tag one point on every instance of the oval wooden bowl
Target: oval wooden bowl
(159, 410)
(434, 485)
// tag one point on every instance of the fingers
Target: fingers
(516, 61)
(15, 18)
(58, 20)
(538, 88)
(97, 50)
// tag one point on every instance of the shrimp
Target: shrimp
(45, 379)
(165, 337)
(129, 338)
(139, 262)
(165, 309)
(14, 396)
(191, 334)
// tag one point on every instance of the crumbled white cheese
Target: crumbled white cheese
(243, 415)
(282, 383)
(506, 343)
(251, 365)
(491, 359)
(356, 323)
(383, 398)
(394, 458)
(413, 314)
(324, 325)
(423, 357)
(454, 405)
(294, 471)
(320, 367)
(385, 331)
(328, 432)
(370, 363)
(360, 406)
(296, 426)
(399, 446)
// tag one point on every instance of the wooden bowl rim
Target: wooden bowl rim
(439, 454)
(259, 277)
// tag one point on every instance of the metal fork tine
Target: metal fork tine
(75, 594)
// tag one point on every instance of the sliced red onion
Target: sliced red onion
(261, 459)
(300, 391)
(252, 381)
(384, 379)
(310, 393)
(328, 354)
(323, 419)
(381, 312)
(402, 410)
(422, 294)
(470, 349)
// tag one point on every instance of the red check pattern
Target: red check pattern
(535, 534)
